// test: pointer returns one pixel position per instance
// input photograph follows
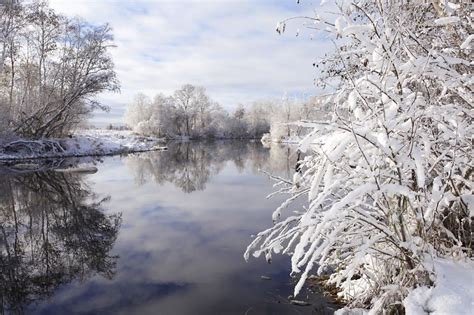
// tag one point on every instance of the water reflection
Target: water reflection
(52, 231)
(190, 165)
(187, 217)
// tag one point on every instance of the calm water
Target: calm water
(151, 233)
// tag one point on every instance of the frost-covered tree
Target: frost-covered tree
(190, 112)
(148, 117)
(258, 118)
(237, 125)
(389, 178)
(138, 111)
(283, 115)
(162, 113)
(186, 101)
(239, 112)
(51, 69)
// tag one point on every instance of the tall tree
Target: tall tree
(185, 102)
(55, 67)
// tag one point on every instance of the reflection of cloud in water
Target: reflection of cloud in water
(184, 251)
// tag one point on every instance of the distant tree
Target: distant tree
(258, 118)
(186, 99)
(239, 112)
(138, 111)
(192, 113)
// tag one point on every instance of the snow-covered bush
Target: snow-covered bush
(389, 177)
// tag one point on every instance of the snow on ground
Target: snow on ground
(82, 143)
(453, 292)
(267, 138)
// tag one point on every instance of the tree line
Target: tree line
(51, 67)
(190, 113)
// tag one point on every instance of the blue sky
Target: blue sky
(228, 46)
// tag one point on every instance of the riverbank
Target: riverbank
(267, 139)
(82, 143)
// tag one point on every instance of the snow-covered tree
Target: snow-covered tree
(51, 69)
(389, 178)
(237, 126)
(186, 102)
(258, 118)
(283, 114)
(161, 115)
(190, 112)
(138, 111)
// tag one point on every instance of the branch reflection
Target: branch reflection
(52, 231)
(190, 165)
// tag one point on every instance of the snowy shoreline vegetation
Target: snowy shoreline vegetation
(191, 114)
(388, 178)
(81, 144)
(51, 69)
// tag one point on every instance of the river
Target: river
(149, 233)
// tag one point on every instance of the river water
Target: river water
(149, 233)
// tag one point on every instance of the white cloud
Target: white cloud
(230, 47)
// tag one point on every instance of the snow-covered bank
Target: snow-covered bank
(83, 143)
(267, 139)
(452, 293)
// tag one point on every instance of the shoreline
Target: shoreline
(68, 156)
(85, 143)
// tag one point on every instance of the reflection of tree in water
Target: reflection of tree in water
(52, 230)
(190, 165)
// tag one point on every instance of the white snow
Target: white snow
(453, 292)
(467, 42)
(447, 20)
(267, 139)
(83, 143)
(387, 164)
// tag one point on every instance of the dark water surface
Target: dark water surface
(150, 233)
